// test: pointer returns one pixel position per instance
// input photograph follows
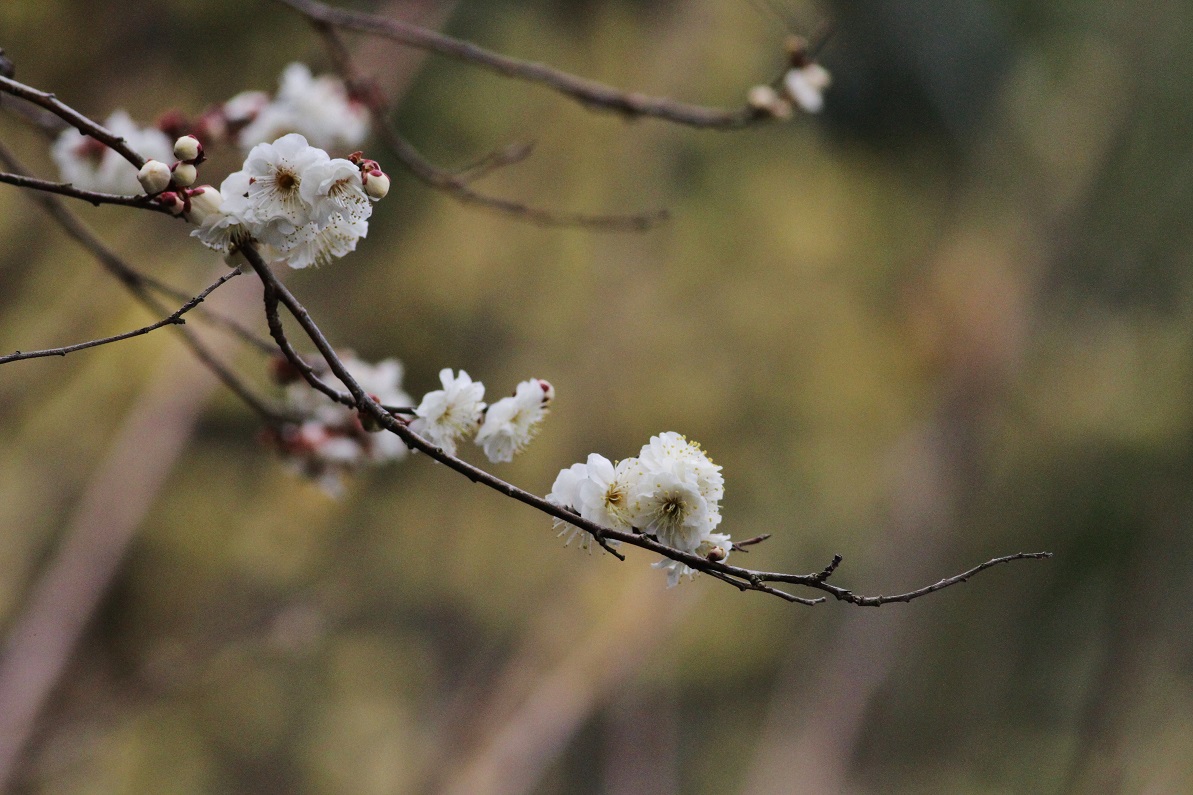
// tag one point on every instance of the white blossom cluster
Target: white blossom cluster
(319, 108)
(672, 491)
(303, 206)
(90, 165)
(331, 441)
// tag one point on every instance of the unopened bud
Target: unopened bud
(154, 176)
(548, 391)
(766, 99)
(187, 148)
(716, 554)
(173, 203)
(205, 201)
(376, 183)
(185, 174)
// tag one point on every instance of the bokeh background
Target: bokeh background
(948, 319)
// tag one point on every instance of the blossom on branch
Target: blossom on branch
(452, 413)
(512, 422)
(672, 491)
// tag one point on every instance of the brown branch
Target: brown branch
(67, 189)
(589, 93)
(743, 579)
(174, 318)
(138, 284)
(71, 117)
(457, 184)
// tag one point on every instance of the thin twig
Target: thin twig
(588, 93)
(72, 117)
(174, 318)
(142, 202)
(457, 184)
(138, 285)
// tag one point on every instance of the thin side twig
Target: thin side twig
(142, 202)
(457, 184)
(173, 318)
(589, 93)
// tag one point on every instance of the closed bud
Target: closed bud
(174, 203)
(154, 176)
(187, 148)
(766, 99)
(205, 202)
(185, 174)
(376, 184)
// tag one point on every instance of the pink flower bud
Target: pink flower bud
(185, 174)
(548, 391)
(174, 203)
(154, 176)
(376, 183)
(188, 149)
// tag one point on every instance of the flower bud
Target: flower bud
(187, 148)
(376, 184)
(205, 202)
(154, 176)
(185, 174)
(766, 99)
(173, 203)
(548, 391)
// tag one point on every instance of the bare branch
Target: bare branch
(457, 184)
(71, 117)
(142, 202)
(174, 318)
(589, 93)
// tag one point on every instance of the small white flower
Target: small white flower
(276, 207)
(89, 165)
(806, 84)
(511, 423)
(228, 226)
(451, 413)
(310, 245)
(672, 451)
(565, 494)
(672, 508)
(334, 187)
(604, 495)
(317, 107)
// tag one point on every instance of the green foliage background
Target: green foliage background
(948, 320)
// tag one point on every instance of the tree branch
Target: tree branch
(174, 318)
(142, 202)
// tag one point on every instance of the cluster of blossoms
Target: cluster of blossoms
(331, 441)
(302, 206)
(672, 491)
(803, 85)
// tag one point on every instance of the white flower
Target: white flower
(806, 84)
(565, 494)
(604, 495)
(227, 226)
(334, 187)
(310, 245)
(716, 547)
(669, 505)
(672, 451)
(512, 422)
(317, 107)
(89, 165)
(451, 413)
(276, 207)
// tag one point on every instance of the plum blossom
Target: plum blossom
(330, 441)
(512, 422)
(805, 86)
(565, 493)
(452, 413)
(90, 165)
(317, 107)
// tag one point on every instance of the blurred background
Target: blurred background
(948, 319)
